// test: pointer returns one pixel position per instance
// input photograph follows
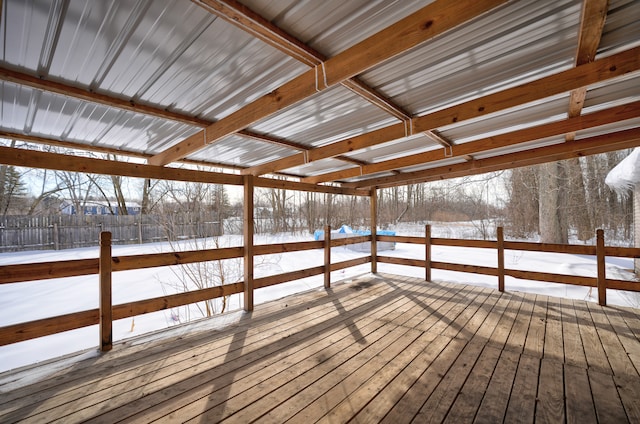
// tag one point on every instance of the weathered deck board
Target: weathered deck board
(378, 349)
(573, 349)
(496, 398)
(580, 408)
(596, 356)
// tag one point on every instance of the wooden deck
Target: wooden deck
(379, 349)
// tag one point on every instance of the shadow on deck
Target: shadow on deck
(381, 348)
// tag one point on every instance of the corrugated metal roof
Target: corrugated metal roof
(332, 26)
(520, 42)
(237, 150)
(606, 129)
(615, 92)
(536, 113)
(331, 115)
(621, 28)
(415, 144)
(41, 113)
(173, 54)
(320, 167)
(179, 57)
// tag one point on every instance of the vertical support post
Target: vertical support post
(500, 237)
(427, 252)
(374, 225)
(140, 230)
(327, 256)
(602, 275)
(248, 231)
(106, 316)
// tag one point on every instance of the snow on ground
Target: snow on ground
(28, 301)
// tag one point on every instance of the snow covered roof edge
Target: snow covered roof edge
(626, 174)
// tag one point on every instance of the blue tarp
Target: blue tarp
(345, 229)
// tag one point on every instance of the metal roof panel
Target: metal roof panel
(519, 42)
(240, 151)
(332, 115)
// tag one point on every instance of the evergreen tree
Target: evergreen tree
(12, 189)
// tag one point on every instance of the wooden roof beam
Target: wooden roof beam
(439, 138)
(581, 76)
(246, 19)
(60, 162)
(589, 146)
(275, 141)
(67, 90)
(592, 120)
(106, 150)
(352, 160)
(106, 100)
(430, 21)
(594, 14)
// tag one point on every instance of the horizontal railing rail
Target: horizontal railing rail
(18, 273)
(600, 251)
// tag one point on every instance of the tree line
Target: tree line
(554, 202)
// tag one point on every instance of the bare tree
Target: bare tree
(44, 192)
(202, 275)
(522, 202)
(576, 200)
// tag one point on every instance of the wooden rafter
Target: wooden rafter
(353, 160)
(107, 100)
(100, 149)
(248, 20)
(562, 82)
(596, 119)
(55, 161)
(440, 139)
(276, 141)
(594, 13)
(578, 148)
(430, 21)
(94, 97)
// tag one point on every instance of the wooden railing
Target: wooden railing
(500, 245)
(106, 264)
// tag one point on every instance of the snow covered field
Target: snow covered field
(22, 302)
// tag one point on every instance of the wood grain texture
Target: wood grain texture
(578, 77)
(381, 348)
(430, 21)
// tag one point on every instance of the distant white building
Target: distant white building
(625, 178)
(96, 207)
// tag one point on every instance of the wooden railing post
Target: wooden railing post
(602, 274)
(427, 252)
(500, 237)
(327, 256)
(374, 224)
(248, 242)
(106, 316)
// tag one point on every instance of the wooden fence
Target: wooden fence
(19, 233)
(106, 264)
